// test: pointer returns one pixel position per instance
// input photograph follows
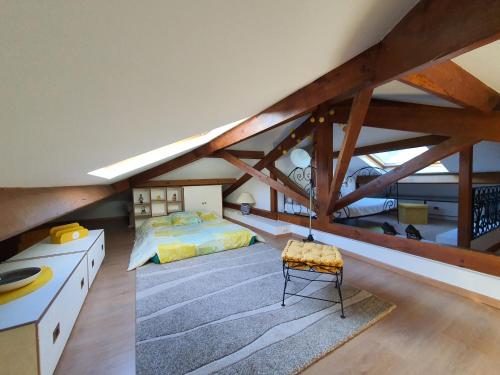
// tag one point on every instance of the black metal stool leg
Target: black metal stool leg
(340, 294)
(287, 277)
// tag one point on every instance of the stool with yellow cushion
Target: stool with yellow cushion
(313, 257)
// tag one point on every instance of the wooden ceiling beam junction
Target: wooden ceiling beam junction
(295, 137)
(265, 179)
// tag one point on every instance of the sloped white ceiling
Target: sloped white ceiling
(90, 83)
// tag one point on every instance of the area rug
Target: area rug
(222, 313)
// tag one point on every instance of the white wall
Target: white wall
(260, 191)
(205, 168)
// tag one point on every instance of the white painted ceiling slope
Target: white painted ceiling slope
(88, 84)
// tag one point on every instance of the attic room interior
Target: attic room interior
(251, 187)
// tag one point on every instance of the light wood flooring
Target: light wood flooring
(430, 332)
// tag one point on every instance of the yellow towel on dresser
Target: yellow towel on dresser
(45, 276)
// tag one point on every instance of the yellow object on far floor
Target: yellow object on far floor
(45, 276)
(413, 213)
(69, 234)
(310, 255)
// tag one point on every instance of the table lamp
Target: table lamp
(245, 199)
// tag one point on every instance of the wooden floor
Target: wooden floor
(430, 332)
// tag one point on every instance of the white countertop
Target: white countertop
(46, 248)
(29, 309)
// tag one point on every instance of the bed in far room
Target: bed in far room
(387, 201)
(184, 235)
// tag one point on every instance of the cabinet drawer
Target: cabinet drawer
(95, 257)
(56, 325)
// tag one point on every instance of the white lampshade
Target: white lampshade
(300, 158)
(246, 198)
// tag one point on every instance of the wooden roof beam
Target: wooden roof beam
(428, 119)
(187, 182)
(26, 208)
(265, 179)
(242, 154)
(454, 84)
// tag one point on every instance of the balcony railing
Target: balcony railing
(485, 210)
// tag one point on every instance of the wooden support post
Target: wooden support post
(465, 198)
(356, 117)
(323, 158)
(273, 194)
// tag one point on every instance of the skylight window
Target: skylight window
(391, 159)
(136, 162)
(398, 157)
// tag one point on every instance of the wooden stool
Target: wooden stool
(312, 257)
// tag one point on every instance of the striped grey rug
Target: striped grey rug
(221, 313)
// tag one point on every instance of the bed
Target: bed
(386, 201)
(184, 235)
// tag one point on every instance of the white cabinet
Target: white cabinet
(40, 322)
(56, 325)
(35, 328)
(204, 198)
(95, 256)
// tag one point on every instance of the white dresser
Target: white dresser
(35, 328)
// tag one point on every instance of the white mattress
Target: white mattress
(366, 206)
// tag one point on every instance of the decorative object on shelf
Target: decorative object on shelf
(16, 279)
(246, 199)
(143, 210)
(66, 233)
(141, 199)
(174, 197)
(158, 197)
(301, 158)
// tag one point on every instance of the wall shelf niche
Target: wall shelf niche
(156, 201)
